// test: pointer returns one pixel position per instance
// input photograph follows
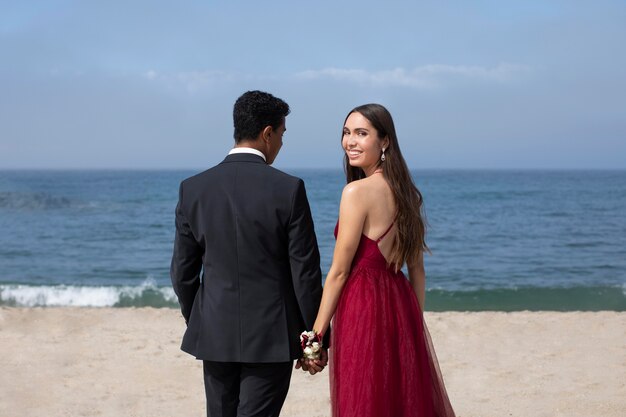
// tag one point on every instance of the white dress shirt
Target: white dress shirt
(247, 150)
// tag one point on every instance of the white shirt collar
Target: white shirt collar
(247, 150)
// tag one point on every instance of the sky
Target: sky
(470, 84)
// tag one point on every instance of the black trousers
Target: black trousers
(235, 389)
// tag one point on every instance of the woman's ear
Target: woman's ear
(386, 143)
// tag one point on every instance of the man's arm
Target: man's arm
(304, 257)
(186, 261)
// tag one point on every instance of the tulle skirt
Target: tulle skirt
(382, 362)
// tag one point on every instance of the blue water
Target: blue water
(501, 240)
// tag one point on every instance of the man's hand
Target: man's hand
(301, 364)
(313, 365)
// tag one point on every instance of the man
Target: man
(246, 267)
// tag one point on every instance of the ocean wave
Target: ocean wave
(145, 295)
(148, 294)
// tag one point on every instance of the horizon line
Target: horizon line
(200, 169)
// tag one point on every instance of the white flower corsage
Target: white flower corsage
(311, 343)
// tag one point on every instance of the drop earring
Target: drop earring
(382, 157)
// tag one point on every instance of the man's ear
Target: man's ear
(266, 133)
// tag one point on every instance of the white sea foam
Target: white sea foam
(81, 296)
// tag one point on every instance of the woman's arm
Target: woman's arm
(352, 214)
(417, 278)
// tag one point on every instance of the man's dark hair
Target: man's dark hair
(254, 111)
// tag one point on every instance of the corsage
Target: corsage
(311, 343)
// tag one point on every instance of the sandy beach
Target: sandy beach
(127, 362)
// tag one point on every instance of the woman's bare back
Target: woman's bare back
(381, 212)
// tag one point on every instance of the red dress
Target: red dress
(382, 362)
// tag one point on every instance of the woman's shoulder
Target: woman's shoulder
(357, 187)
(365, 188)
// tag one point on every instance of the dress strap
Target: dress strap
(386, 231)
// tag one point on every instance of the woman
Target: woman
(382, 362)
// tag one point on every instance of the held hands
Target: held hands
(313, 366)
(314, 356)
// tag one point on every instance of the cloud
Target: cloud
(426, 77)
(423, 77)
(192, 81)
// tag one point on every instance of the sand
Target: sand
(127, 362)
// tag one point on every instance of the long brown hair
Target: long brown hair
(410, 219)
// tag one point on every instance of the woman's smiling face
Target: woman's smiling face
(361, 142)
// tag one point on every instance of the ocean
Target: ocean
(500, 240)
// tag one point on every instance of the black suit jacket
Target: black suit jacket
(246, 266)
